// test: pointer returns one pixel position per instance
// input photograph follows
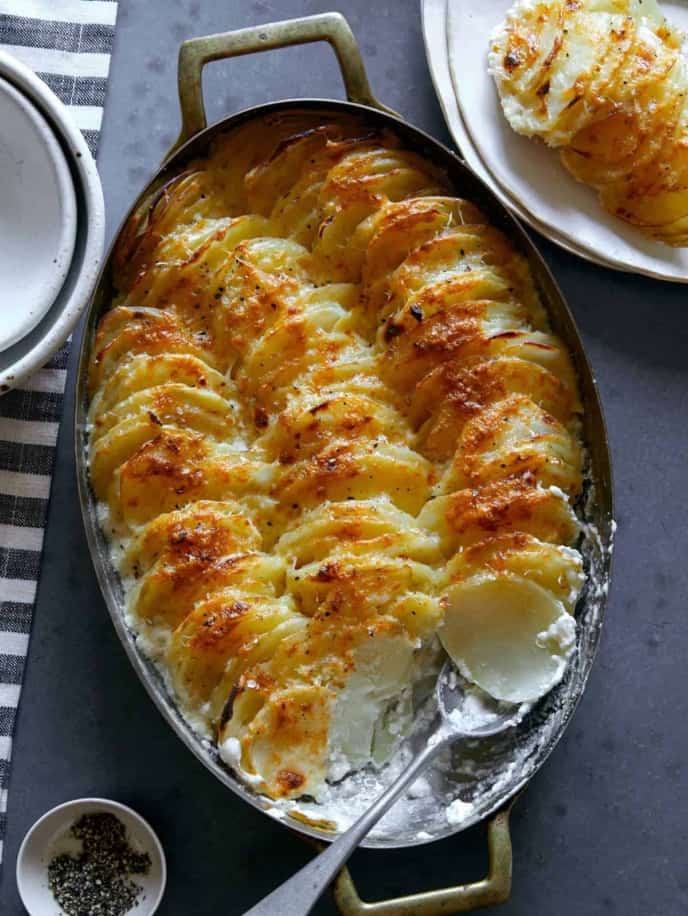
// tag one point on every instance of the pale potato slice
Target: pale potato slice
(381, 677)
(507, 635)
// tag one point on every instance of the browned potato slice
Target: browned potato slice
(515, 437)
(461, 330)
(167, 593)
(557, 569)
(479, 255)
(126, 332)
(354, 190)
(357, 526)
(362, 585)
(176, 468)
(144, 371)
(450, 395)
(201, 528)
(311, 421)
(224, 635)
(356, 471)
(504, 506)
(143, 417)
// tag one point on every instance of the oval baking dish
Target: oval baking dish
(512, 761)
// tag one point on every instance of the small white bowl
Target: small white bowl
(39, 845)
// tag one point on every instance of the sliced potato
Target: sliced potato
(507, 635)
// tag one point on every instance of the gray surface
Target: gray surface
(602, 829)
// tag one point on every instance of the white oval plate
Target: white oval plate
(531, 174)
(435, 37)
(37, 216)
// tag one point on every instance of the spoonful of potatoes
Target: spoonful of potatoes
(508, 637)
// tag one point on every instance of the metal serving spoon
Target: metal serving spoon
(458, 716)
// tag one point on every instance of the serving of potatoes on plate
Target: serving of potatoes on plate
(606, 83)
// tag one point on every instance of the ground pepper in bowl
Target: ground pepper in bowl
(97, 881)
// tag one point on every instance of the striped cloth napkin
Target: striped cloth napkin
(68, 43)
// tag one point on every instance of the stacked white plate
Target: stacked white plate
(52, 226)
(526, 176)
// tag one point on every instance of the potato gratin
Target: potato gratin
(329, 423)
(606, 83)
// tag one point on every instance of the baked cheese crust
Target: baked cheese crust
(325, 395)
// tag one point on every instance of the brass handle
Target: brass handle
(493, 889)
(197, 52)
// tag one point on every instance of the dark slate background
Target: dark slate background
(602, 829)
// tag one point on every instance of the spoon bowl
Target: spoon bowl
(466, 711)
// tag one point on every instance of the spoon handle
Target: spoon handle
(299, 894)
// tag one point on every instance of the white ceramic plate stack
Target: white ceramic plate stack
(525, 175)
(52, 226)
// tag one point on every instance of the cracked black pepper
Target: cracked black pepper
(97, 881)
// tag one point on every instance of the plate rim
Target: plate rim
(66, 206)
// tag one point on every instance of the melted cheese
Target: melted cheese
(325, 399)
